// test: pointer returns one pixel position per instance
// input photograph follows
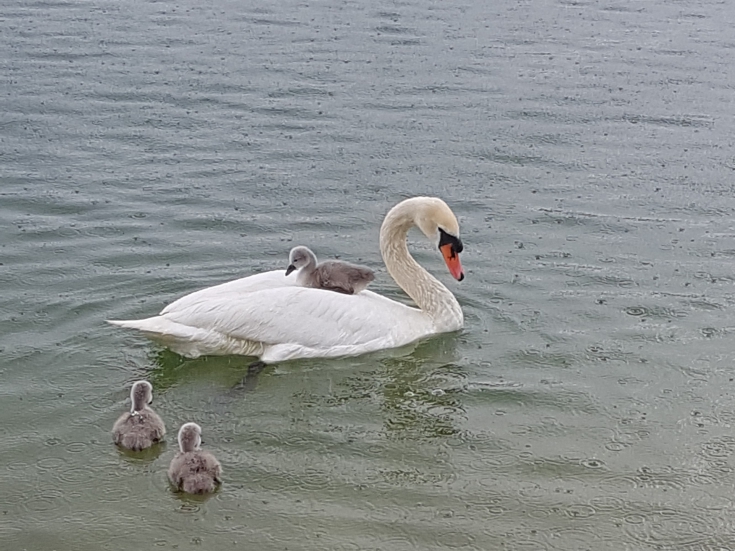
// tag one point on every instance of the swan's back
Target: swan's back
(233, 290)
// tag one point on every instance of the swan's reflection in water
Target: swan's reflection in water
(421, 392)
(417, 389)
(170, 369)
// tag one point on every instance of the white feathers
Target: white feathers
(269, 316)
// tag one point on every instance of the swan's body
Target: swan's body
(141, 427)
(330, 275)
(194, 470)
(270, 316)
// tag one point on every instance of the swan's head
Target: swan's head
(437, 221)
(190, 437)
(299, 257)
(140, 395)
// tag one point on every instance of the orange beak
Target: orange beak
(452, 260)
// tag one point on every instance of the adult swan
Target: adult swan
(269, 316)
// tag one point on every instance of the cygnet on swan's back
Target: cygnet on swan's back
(332, 275)
(194, 470)
(141, 427)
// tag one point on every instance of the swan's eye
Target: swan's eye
(449, 239)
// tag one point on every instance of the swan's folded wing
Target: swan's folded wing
(250, 284)
(308, 317)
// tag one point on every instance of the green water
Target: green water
(149, 149)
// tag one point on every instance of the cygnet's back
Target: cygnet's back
(194, 470)
(141, 427)
(332, 275)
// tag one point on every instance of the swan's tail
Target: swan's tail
(157, 325)
(188, 341)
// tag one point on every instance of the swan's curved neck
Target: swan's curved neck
(429, 294)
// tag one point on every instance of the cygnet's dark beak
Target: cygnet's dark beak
(290, 269)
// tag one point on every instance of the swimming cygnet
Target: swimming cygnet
(194, 470)
(141, 427)
(332, 275)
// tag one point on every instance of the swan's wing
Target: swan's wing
(304, 316)
(251, 284)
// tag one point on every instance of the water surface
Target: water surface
(149, 149)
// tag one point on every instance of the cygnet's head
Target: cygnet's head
(190, 437)
(140, 395)
(300, 257)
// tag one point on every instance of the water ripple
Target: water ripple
(572, 537)
(453, 539)
(47, 504)
(607, 503)
(153, 148)
(580, 511)
(671, 528)
(720, 447)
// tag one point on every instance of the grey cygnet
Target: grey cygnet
(141, 427)
(194, 470)
(332, 275)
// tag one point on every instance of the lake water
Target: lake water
(149, 149)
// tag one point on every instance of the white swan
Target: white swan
(269, 316)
